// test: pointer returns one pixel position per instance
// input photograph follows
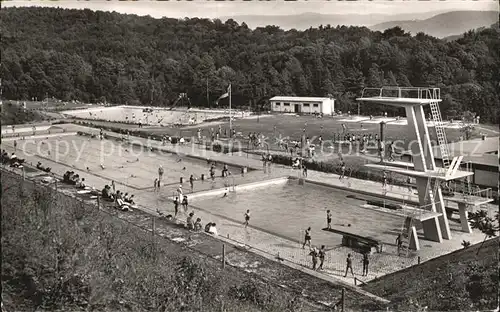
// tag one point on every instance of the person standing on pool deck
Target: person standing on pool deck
(321, 255)
(155, 185)
(307, 238)
(113, 186)
(314, 255)
(399, 242)
(191, 183)
(160, 173)
(366, 262)
(348, 265)
(185, 203)
(342, 171)
(328, 219)
(247, 218)
(212, 172)
(176, 206)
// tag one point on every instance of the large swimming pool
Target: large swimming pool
(287, 210)
(131, 165)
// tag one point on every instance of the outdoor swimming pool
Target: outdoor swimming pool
(287, 210)
(131, 165)
(158, 116)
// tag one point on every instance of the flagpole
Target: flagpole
(230, 121)
(208, 97)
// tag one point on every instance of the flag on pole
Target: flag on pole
(225, 95)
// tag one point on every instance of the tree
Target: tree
(122, 58)
(488, 226)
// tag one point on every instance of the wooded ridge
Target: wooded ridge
(127, 59)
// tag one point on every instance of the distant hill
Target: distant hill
(455, 37)
(307, 20)
(445, 24)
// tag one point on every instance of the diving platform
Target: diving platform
(434, 174)
(417, 213)
(471, 200)
(398, 163)
(401, 96)
(394, 101)
(413, 216)
(467, 203)
(427, 175)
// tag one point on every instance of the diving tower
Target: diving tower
(427, 174)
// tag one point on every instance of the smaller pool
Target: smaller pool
(288, 209)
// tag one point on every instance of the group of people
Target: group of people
(177, 201)
(316, 253)
(193, 224)
(41, 167)
(216, 134)
(70, 177)
(11, 160)
(122, 200)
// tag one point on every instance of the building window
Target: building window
(306, 104)
(315, 105)
(277, 103)
(286, 104)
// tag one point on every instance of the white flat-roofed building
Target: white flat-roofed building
(302, 105)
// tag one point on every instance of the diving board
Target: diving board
(465, 202)
(427, 219)
(398, 163)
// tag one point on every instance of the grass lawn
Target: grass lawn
(13, 114)
(291, 127)
(460, 281)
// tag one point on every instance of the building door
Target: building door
(297, 108)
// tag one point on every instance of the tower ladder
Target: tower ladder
(438, 124)
(406, 228)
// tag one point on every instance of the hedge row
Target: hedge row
(311, 164)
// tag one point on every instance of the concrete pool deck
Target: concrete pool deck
(265, 238)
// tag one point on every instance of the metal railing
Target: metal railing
(485, 193)
(402, 92)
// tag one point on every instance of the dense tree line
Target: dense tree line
(126, 59)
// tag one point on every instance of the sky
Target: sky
(214, 9)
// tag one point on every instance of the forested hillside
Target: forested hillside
(97, 56)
